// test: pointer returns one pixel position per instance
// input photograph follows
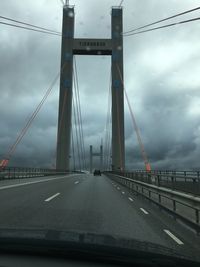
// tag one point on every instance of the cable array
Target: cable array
(75, 129)
(164, 26)
(141, 145)
(32, 117)
(72, 148)
(107, 134)
(30, 29)
(28, 24)
(161, 20)
(137, 30)
(77, 122)
(80, 121)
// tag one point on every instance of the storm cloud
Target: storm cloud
(161, 78)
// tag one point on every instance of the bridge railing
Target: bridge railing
(21, 172)
(185, 181)
(181, 205)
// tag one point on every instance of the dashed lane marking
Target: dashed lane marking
(52, 197)
(144, 211)
(176, 239)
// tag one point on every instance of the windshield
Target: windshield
(100, 129)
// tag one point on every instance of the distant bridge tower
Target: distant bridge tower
(111, 47)
(92, 154)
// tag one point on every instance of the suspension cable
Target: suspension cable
(28, 28)
(162, 27)
(161, 20)
(28, 24)
(31, 119)
(78, 119)
(142, 149)
(121, 3)
(72, 148)
(77, 92)
(107, 128)
(76, 131)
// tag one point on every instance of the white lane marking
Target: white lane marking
(123, 192)
(130, 199)
(77, 182)
(118, 188)
(143, 210)
(35, 182)
(50, 198)
(176, 239)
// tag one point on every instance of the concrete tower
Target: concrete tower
(111, 47)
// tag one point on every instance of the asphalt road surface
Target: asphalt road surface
(90, 203)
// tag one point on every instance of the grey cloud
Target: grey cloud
(162, 88)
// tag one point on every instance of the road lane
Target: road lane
(158, 218)
(9, 183)
(90, 204)
(22, 206)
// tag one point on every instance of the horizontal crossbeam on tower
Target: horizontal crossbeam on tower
(92, 47)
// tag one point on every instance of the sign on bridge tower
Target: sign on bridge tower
(111, 47)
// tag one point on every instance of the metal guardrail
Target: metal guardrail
(20, 172)
(185, 181)
(182, 205)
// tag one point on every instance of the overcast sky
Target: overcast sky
(162, 78)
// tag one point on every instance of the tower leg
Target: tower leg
(65, 101)
(118, 144)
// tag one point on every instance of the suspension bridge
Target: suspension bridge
(148, 204)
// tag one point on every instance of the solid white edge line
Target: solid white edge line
(50, 198)
(176, 239)
(77, 182)
(34, 182)
(143, 210)
(130, 199)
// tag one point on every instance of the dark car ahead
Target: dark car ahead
(97, 172)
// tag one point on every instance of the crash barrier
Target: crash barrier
(185, 181)
(181, 205)
(21, 172)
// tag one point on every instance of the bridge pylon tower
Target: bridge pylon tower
(82, 46)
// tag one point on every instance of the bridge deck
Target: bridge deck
(91, 204)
